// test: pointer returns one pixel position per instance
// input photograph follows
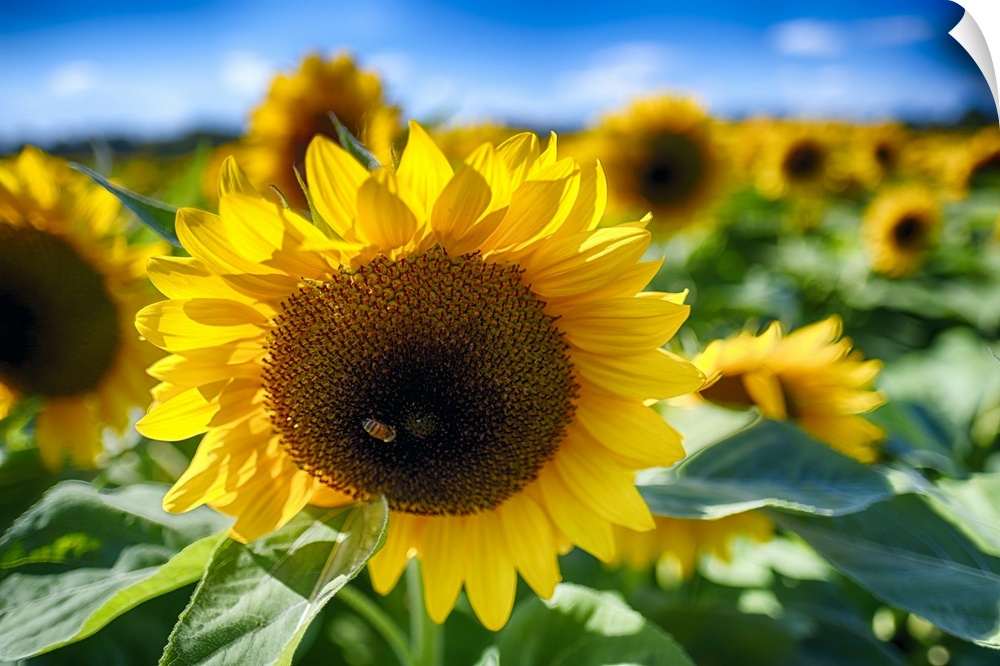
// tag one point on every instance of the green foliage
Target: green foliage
(770, 464)
(582, 626)
(79, 558)
(350, 143)
(256, 600)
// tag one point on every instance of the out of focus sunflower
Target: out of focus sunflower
(812, 377)
(297, 108)
(872, 153)
(69, 289)
(900, 226)
(661, 157)
(676, 544)
(794, 158)
(472, 347)
(972, 162)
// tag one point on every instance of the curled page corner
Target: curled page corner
(970, 35)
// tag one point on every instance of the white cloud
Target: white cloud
(616, 75)
(246, 73)
(894, 30)
(807, 37)
(73, 78)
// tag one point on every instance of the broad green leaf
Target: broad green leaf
(906, 555)
(256, 600)
(581, 627)
(770, 464)
(349, 143)
(156, 215)
(974, 503)
(79, 558)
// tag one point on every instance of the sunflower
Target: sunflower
(661, 156)
(470, 346)
(872, 153)
(812, 377)
(69, 289)
(297, 108)
(794, 158)
(676, 544)
(900, 226)
(973, 162)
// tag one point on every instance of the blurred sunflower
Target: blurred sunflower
(661, 156)
(69, 289)
(811, 377)
(676, 544)
(972, 163)
(794, 159)
(297, 108)
(900, 226)
(471, 347)
(873, 153)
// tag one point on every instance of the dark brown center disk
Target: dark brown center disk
(805, 161)
(439, 382)
(673, 170)
(909, 233)
(58, 325)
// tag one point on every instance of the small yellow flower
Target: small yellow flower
(900, 226)
(69, 288)
(466, 343)
(811, 377)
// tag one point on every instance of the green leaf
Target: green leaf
(79, 558)
(974, 505)
(349, 143)
(156, 215)
(580, 626)
(770, 464)
(906, 555)
(256, 600)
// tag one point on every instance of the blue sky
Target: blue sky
(156, 68)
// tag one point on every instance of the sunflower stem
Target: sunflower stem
(380, 620)
(425, 634)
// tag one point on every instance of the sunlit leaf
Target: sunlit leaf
(770, 464)
(79, 558)
(580, 627)
(156, 215)
(256, 600)
(906, 555)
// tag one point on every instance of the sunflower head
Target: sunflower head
(465, 341)
(69, 287)
(297, 108)
(900, 227)
(872, 153)
(794, 159)
(810, 376)
(661, 156)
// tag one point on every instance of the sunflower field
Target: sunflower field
(354, 388)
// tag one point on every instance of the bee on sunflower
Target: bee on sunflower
(465, 342)
(70, 286)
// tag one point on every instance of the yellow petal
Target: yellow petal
(583, 262)
(602, 486)
(232, 180)
(334, 178)
(490, 576)
(185, 415)
(621, 325)
(535, 206)
(384, 218)
(519, 153)
(203, 235)
(630, 430)
(588, 208)
(584, 529)
(655, 374)
(386, 566)
(286, 492)
(531, 543)
(199, 322)
(459, 207)
(443, 552)
(423, 169)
